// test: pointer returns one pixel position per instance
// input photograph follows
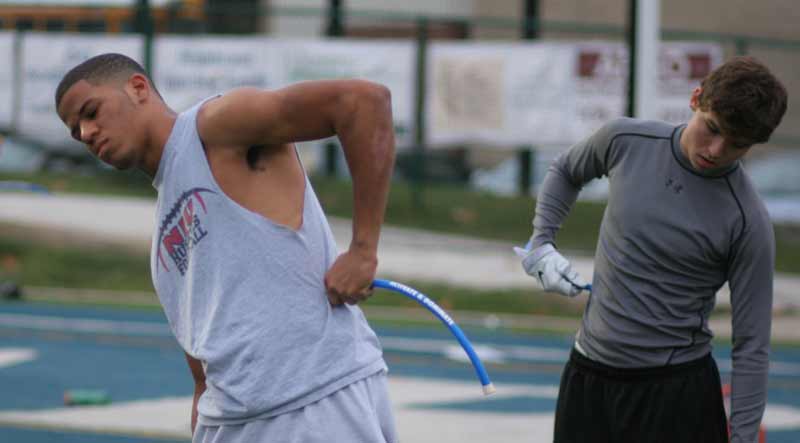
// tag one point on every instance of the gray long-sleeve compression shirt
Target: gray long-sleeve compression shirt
(670, 238)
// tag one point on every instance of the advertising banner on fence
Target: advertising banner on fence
(601, 81)
(598, 72)
(7, 66)
(504, 94)
(45, 60)
(547, 94)
(189, 69)
(683, 65)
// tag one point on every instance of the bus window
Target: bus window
(24, 24)
(89, 25)
(55, 24)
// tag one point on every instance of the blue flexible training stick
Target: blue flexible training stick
(488, 387)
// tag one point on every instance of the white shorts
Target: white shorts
(358, 413)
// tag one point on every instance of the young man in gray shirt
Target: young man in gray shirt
(682, 219)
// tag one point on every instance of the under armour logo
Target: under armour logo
(673, 185)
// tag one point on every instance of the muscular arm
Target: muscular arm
(196, 367)
(750, 280)
(359, 113)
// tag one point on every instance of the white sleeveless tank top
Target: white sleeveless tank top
(246, 296)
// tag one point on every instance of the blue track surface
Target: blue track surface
(138, 359)
(39, 436)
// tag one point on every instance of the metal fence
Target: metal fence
(248, 17)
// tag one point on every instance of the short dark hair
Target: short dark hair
(746, 97)
(100, 69)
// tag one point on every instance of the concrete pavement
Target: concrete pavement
(403, 253)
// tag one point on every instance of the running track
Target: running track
(48, 349)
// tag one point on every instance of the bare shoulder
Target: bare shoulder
(231, 101)
(298, 112)
(232, 118)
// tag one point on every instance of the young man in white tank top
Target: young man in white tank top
(243, 260)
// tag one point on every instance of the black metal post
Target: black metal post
(633, 31)
(335, 28)
(530, 27)
(741, 46)
(144, 26)
(419, 167)
(525, 154)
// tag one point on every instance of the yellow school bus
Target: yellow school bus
(93, 15)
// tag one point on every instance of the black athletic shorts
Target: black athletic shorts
(671, 404)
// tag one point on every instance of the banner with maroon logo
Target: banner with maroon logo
(548, 94)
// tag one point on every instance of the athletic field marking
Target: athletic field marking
(487, 353)
(48, 323)
(164, 417)
(781, 418)
(494, 353)
(15, 356)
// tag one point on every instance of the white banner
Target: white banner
(683, 65)
(601, 77)
(547, 94)
(7, 65)
(599, 73)
(189, 69)
(503, 94)
(45, 60)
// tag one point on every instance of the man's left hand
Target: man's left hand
(350, 278)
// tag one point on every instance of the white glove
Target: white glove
(553, 271)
